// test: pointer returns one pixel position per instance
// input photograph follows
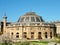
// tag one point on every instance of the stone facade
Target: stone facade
(29, 26)
(31, 32)
(57, 27)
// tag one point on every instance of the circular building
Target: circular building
(31, 26)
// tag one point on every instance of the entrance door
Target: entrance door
(39, 37)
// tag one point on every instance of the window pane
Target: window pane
(22, 19)
(32, 19)
(27, 19)
(37, 19)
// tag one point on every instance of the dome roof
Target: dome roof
(30, 17)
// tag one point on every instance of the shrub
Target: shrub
(25, 43)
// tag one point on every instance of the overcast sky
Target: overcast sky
(48, 9)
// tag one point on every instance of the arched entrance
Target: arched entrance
(39, 35)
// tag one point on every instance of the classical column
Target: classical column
(49, 30)
(5, 20)
(36, 32)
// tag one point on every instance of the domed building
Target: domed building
(31, 17)
(30, 26)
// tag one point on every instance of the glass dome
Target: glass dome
(30, 17)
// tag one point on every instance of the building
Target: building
(57, 23)
(30, 26)
(1, 26)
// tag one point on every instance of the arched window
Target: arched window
(45, 34)
(32, 35)
(17, 33)
(24, 34)
(12, 33)
(39, 35)
(39, 32)
(50, 34)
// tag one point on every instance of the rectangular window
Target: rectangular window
(45, 36)
(32, 19)
(50, 34)
(24, 32)
(37, 19)
(27, 19)
(17, 36)
(32, 32)
(24, 36)
(32, 36)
